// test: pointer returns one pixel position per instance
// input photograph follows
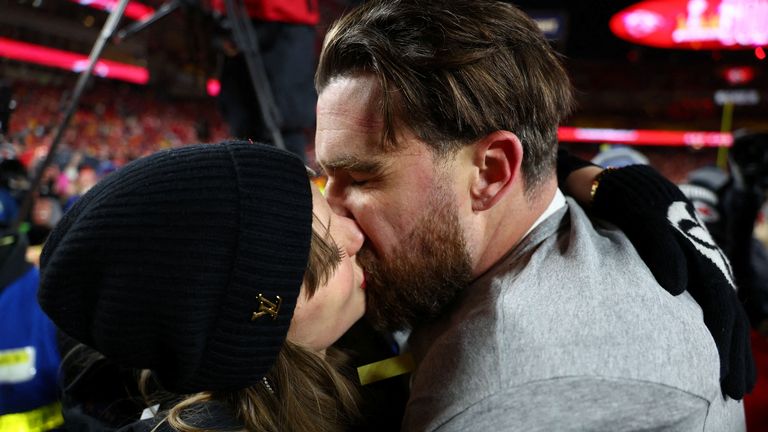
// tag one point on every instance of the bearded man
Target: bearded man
(437, 128)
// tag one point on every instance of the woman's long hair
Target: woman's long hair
(308, 394)
(304, 391)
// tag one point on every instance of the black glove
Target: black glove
(662, 225)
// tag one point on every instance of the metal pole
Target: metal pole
(726, 124)
(106, 33)
(136, 27)
(247, 41)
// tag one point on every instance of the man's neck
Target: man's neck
(510, 223)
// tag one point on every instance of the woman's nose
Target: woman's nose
(353, 236)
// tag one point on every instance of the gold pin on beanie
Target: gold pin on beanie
(164, 264)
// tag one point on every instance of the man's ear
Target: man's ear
(497, 158)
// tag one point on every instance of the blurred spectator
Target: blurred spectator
(29, 357)
(86, 179)
(729, 205)
(619, 156)
(13, 185)
(287, 35)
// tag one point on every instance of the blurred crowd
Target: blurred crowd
(114, 124)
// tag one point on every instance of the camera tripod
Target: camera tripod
(244, 37)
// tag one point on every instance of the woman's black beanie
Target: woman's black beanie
(166, 263)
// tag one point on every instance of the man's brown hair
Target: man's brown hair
(454, 71)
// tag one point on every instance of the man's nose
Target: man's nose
(335, 197)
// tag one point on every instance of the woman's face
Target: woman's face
(321, 320)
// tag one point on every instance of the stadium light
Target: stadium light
(670, 138)
(75, 62)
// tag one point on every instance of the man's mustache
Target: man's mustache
(366, 253)
(367, 258)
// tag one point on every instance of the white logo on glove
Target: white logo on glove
(693, 229)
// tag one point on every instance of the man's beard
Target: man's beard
(423, 274)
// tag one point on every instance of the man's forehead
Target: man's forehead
(353, 101)
(346, 116)
(349, 124)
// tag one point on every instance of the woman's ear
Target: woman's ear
(497, 157)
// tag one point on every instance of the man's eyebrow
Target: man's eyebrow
(354, 164)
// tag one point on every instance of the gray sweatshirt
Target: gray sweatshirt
(569, 332)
